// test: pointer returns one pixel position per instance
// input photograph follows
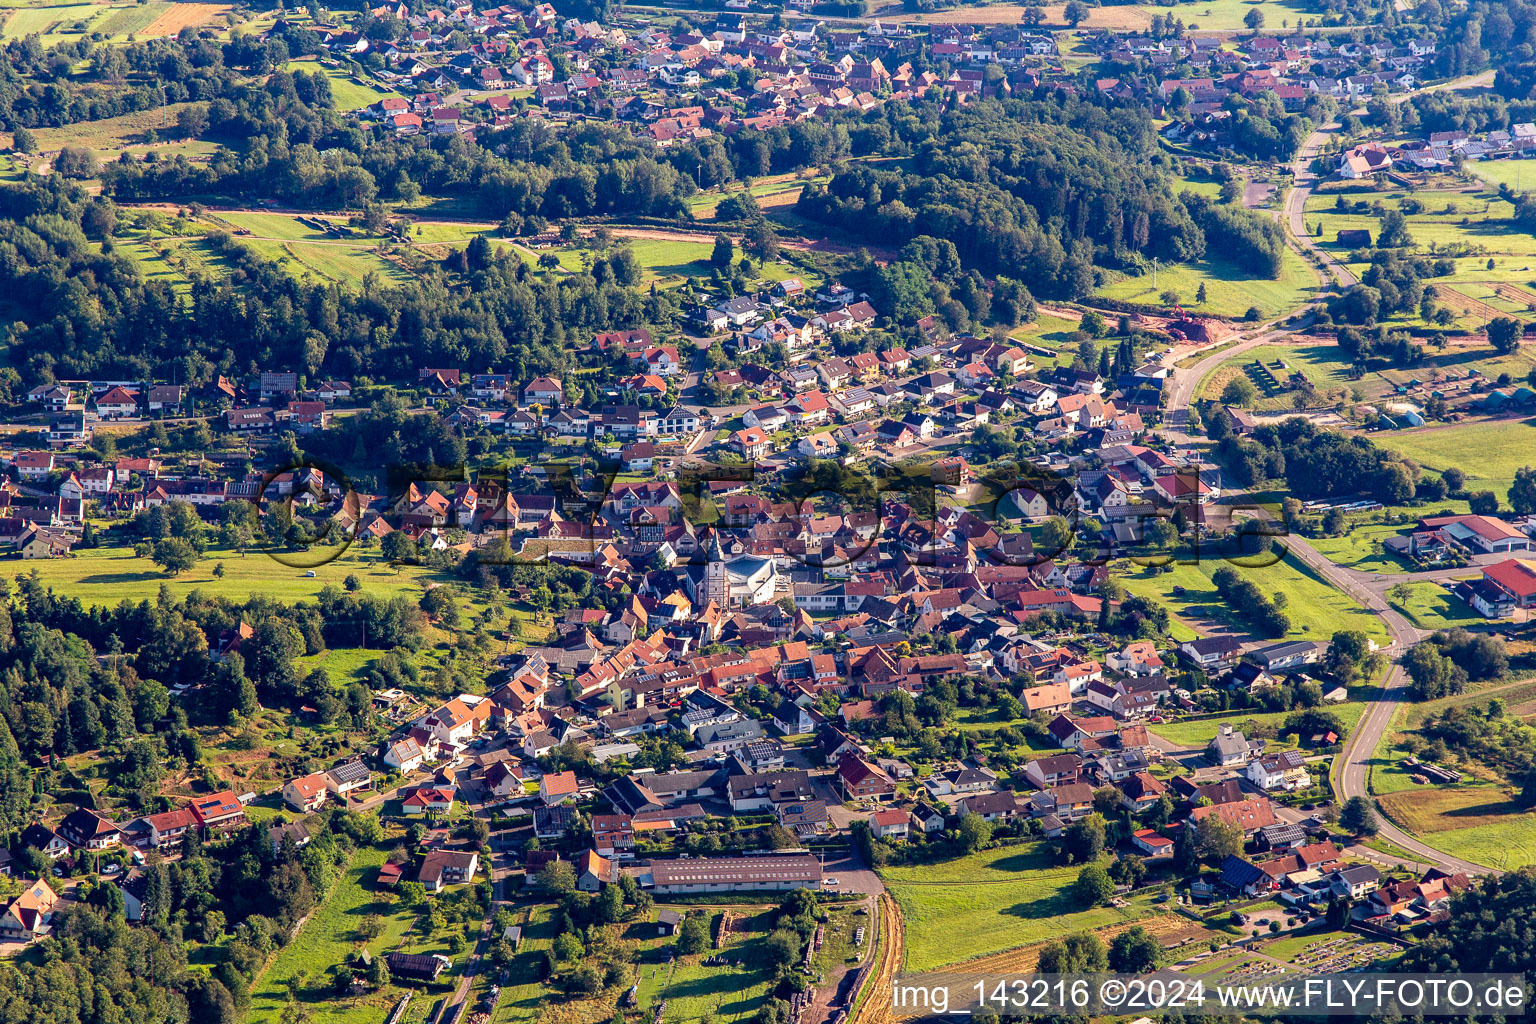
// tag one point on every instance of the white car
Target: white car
(829, 881)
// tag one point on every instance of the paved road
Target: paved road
(1305, 181)
(1368, 589)
(1296, 202)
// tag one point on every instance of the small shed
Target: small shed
(668, 922)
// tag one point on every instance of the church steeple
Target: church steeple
(717, 585)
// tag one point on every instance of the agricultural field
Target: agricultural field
(1474, 219)
(1477, 823)
(109, 576)
(119, 22)
(1216, 16)
(1489, 451)
(1316, 609)
(991, 901)
(1230, 291)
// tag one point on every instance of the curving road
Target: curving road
(1304, 181)
(1369, 591)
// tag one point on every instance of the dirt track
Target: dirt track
(877, 1008)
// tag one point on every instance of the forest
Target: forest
(83, 312)
(1037, 189)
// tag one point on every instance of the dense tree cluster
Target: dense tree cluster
(1254, 242)
(1489, 930)
(58, 697)
(1029, 188)
(87, 80)
(80, 312)
(1443, 664)
(1315, 462)
(1244, 597)
(241, 899)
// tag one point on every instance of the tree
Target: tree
(1215, 840)
(1358, 817)
(173, 555)
(1504, 334)
(1033, 16)
(558, 876)
(1082, 953)
(192, 121)
(1254, 19)
(1455, 478)
(1085, 839)
(761, 240)
(1135, 952)
(1522, 492)
(1075, 11)
(692, 935)
(1200, 293)
(781, 949)
(23, 141)
(1483, 503)
(1093, 887)
(975, 832)
(723, 251)
(1239, 391)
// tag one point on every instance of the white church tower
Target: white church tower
(717, 583)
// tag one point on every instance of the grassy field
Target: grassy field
(693, 991)
(1361, 549)
(1322, 365)
(1052, 332)
(1431, 606)
(991, 901)
(109, 576)
(778, 190)
(111, 135)
(1316, 609)
(1476, 823)
(1201, 732)
(1449, 217)
(1230, 290)
(328, 938)
(1218, 15)
(1489, 452)
(1453, 215)
(1507, 844)
(696, 992)
(348, 92)
(338, 262)
(666, 262)
(1519, 175)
